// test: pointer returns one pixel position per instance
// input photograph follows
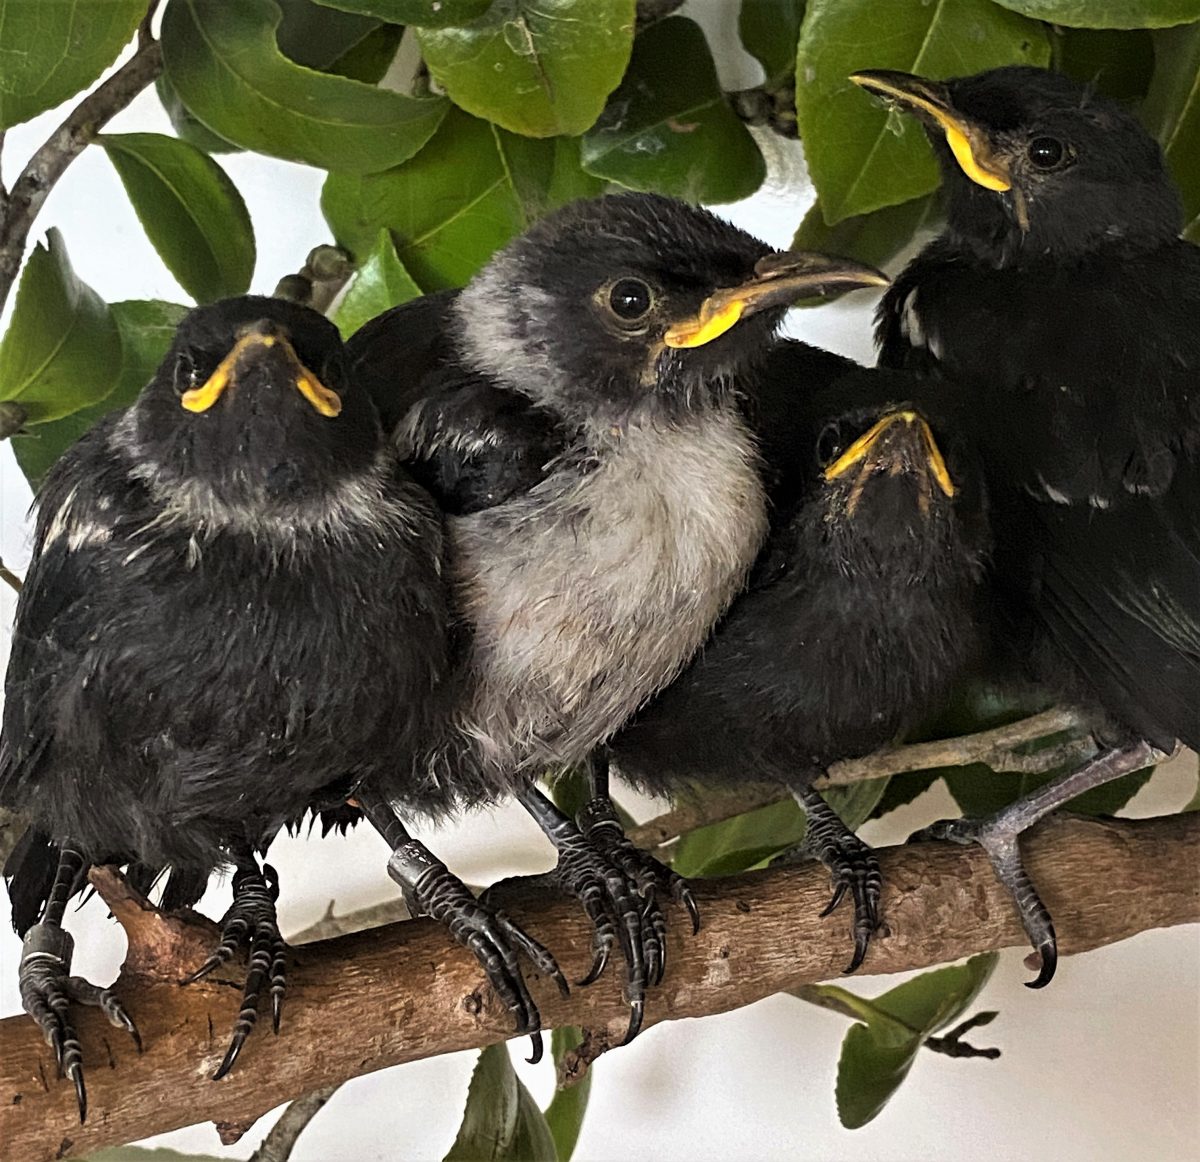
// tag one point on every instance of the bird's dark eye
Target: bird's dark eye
(187, 374)
(1046, 152)
(630, 299)
(829, 444)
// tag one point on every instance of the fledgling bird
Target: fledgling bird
(605, 495)
(235, 611)
(1064, 301)
(864, 608)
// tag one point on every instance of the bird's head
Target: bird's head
(1036, 163)
(252, 407)
(635, 303)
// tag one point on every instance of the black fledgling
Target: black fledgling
(1063, 300)
(606, 495)
(863, 610)
(234, 612)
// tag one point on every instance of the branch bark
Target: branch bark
(66, 143)
(378, 998)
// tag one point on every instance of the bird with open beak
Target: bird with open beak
(1063, 300)
(235, 612)
(584, 431)
(862, 612)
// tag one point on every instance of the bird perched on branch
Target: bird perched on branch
(235, 611)
(863, 610)
(1064, 301)
(605, 494)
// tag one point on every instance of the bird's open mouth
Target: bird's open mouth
(968, 141)
(251, 347)
(778, 281)
(871, 445)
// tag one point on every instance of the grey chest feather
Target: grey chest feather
(589, 594)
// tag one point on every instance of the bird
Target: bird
(604, 503)
(235, 610)
(1063, 300)
(864, 610)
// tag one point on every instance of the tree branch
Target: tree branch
(997, 748)
(382, 997)
(66, 143)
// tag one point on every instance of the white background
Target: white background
(1104, 1065)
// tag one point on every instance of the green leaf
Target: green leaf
(669, 128)
(769, 30)
(191, 212)
(142, 1154)
(733, 845)
(874, 238)
(223, 61)
(466, 194)
(860, 157)
(1172, 113)
(315, 36)
(1117, 64)
(537, 67)
(369, 60)
(979, 791)
(501, 1121)
(877, 1055)
(425, 13)
(379, 284)
(903, 789)
(1108, 13)
(146, 328)
(52, 49)
(62, 350)
(855, 802)
(564, 1114)
(186, 126)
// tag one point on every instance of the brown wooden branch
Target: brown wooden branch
(378, 998)
(67, 142)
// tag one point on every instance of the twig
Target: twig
(379, 998)
(997, 748)
(10, 578)
(277, 1145)
(48, 164)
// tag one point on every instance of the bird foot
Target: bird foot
(47, 993)
(432, 890)
(998, 838)
(853, 867)
(250, 923)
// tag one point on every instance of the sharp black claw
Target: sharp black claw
(637, 1011)
(599, 963)
(80, 1095)
(231, 1055)
(689, 901)
(839, 893)
(536, 1048)
(208, 966)
(276, 1013)
(1048, 951)
(860, 954)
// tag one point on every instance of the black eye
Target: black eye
(186, 372)
(829, 444)
(630, 299)
(1046, 152)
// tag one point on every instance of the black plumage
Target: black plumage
(583, 425)
(1063, 299)
(234, 612)
(864, 608)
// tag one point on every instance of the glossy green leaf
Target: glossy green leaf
(902, 790)
(564, 1114)
(1117, 64)
(855, 802)
(190, 210)
(223, 61)
(450, 208)
(874, 238)
(424, 13)
(979, 791)
(62, 350)
(146, 329)
(315, 36)
(379, 284)
(187, 127)
(1108, 13)
(733, 845)
(52, 49)
(502, 1122)
(1172, 114)
(769, 30)
(860, 157)
(537, 67)
(877, 1055)
(669, 128)
(369, 60)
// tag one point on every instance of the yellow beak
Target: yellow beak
(866, 444)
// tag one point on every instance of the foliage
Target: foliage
(513, 109)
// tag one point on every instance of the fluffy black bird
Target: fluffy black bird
(864, 608)
(1063, 300)
(605, 496)
(235, 611)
